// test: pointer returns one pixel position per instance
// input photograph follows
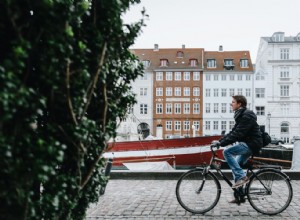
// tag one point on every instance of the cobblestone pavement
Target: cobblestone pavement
(156, 199)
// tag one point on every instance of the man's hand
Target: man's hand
(215, 144)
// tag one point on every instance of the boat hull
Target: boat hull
(179, 153)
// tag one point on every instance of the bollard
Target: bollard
(296, 154)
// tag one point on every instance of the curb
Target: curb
(175, 174)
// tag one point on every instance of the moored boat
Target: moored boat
(179, 153)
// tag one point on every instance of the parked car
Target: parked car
(276, 141)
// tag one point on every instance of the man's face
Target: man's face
(235, 106)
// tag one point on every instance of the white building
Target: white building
(277, 85)
(140, 117)
(226, 73)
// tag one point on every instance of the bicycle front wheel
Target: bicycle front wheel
(269, 192)
(198, 193)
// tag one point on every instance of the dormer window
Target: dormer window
(278, 37)
(194, 62)
(146, 63)
(179, 54)
(164, 62)
(228, 64)
(298, 37)
(211, 63)
(244, 63)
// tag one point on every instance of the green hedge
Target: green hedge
(65, 69)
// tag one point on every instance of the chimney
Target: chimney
(183, 46)
(220, 48)
(155, 47)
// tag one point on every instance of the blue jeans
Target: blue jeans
(235, 156)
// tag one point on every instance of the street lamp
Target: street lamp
(269, 119)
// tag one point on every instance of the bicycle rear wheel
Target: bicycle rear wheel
(197, 193)
(269, 192)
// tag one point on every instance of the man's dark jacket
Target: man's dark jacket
(245, 130)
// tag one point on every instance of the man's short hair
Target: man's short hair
(240, 99)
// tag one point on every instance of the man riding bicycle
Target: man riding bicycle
(245, 137)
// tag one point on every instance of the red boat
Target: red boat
(178, 153)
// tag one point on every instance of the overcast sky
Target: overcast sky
(235, 24)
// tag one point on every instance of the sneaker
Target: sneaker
(235, 201)
(241, 182)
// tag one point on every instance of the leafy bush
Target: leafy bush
(65, 69)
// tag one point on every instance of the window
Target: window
(143, 109)
(211, 63)
(216, 125)
(169, 91)
(231, 92)
(177, 108)
(277, 37)
(177, 126)
(159, 108)
(163, 62)
(231, 77)
(159, 91)
(193, 62)
(284, 72)
(186, 76)
(207, 77)
(259, 76)
(231, 124)
(143, 91)
(228, 64)
(248, 77)
(240, 77)
(180, 54)
(196, 108)
(159, 76)
(223, 77)
(207, 107)
(186, 125)
(186, 91)
(284, 90)
(259, 92)
(196, 76)
(240, 91)
(216, 92)
(169, 76)
(196, 125)
(216, 77)
(186, 108)
(168, 108)
(223, 125)
(207, 92)
(207, 125)
(284, 127)
(177, 76)
(285, 109)
(168, 125)
(284, 54)
(177, 91)
(223, 92)
(146, 63)
(248, 92)
(244, 63)
(260, 110)
(216, 107)
(196, 91)
(144, 76)
(230, 108)
(223, 107)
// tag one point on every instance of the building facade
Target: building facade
(226, 73)
(277, 85)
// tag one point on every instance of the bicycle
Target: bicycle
(269, 190)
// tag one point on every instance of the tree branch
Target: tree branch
(94, 82)
(70, 105)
